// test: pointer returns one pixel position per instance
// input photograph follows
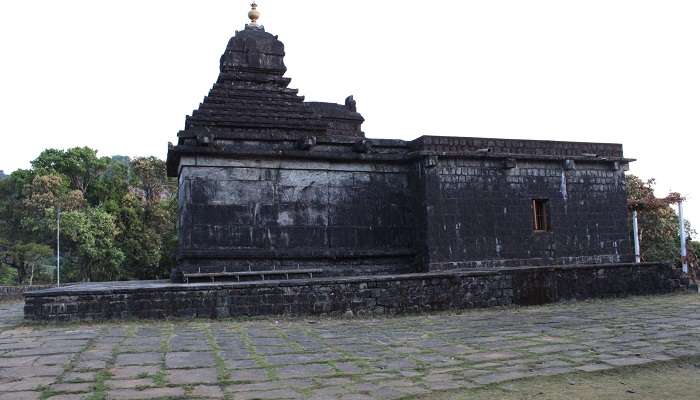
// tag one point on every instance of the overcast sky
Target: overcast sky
(120, 76)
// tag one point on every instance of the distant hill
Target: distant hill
(2, 174)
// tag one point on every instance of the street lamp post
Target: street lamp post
(635, 230)
(681, 222)
(58, 247)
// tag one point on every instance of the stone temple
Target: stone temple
(274, 186)
(285, 207)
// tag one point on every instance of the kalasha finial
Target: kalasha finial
(254, 14)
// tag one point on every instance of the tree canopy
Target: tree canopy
(117, 218)
(657, 220)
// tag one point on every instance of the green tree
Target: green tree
(90, 236)
(48, 192)
(26, 258)
(118, 216)
(659, 233)
(151, 178)
(80, 165)
(111, 186)
(8, 276)
(12, 207)
(140, 242)
(147, 220)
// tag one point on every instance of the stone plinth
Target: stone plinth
(362, 295)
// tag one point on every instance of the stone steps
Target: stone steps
(246, 275)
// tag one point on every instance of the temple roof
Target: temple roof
(251, 96)
(251, 92)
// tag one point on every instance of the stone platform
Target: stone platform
(360, 295)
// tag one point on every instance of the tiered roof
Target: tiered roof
(251, 97)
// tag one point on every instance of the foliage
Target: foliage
(80, 165)
(27, 259)
(92, 234)
(117, 218)
(659, 230)
(8, 276)
(48, 192)
(141, 241)
(151, 178)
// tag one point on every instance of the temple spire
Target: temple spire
(254, 14)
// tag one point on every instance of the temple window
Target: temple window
(540, 214)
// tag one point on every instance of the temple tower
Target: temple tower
(271, 186)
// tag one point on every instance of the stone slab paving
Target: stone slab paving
(389, 358)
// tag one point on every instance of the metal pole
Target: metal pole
(681, 221)
(58, 247)
(635, 227)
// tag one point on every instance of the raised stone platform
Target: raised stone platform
(361, 295)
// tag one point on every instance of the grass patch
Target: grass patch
(46, 392)
(99, 389)
(259, 359)
(160, 379)
(223, 373)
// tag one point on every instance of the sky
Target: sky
(120, 76)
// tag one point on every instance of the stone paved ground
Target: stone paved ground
(338, 359)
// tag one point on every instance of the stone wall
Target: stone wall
(262, 215)
(479, 213)
(425, 212)
(8, 293)
(365, 295)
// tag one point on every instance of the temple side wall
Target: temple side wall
(479, 213)
(353, 218)
(365, 295)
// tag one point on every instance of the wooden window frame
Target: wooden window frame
(540, 215)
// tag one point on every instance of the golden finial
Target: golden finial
(254, 14)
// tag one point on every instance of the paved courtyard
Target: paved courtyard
(389, 358)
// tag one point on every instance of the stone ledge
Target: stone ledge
(164, 285)
(368, 294)
(298, 253)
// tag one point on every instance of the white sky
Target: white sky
(120, 76)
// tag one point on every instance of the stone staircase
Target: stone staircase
(248, 276)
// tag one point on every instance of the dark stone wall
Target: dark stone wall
(365, 295)
(437, 203)
(262, 215)
(479, 213)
